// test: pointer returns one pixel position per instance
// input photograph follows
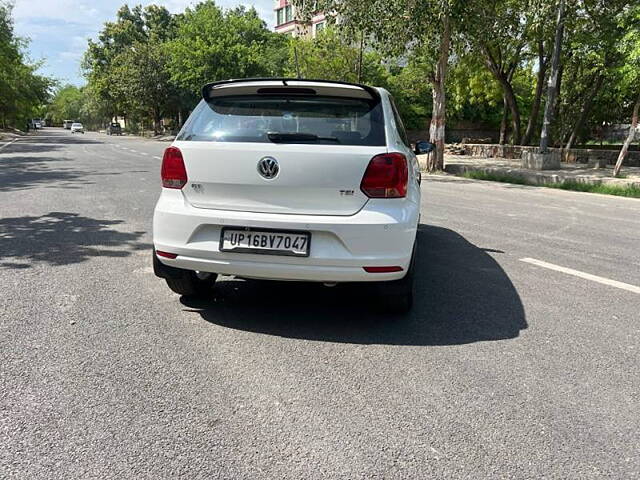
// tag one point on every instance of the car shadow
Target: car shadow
(60, 238)
(462, 296)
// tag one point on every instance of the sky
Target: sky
(59, 29)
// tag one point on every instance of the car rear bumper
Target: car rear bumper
(381, 234)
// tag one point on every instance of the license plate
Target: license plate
(267, 242)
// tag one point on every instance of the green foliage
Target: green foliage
(606, 189)
(629, 71)
(330, 56)
(495, 177)
(144, 85)
(214, 44)
(67, 104)
(127, 69)
(474, 94)
(149, 63)
(22, 90)
(412, 95)
(593, 58)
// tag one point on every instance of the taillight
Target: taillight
(173, 173)
(386, 177)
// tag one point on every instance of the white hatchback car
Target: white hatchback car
(287, 179)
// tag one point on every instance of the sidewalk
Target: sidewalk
(569, 172)
(8, 134)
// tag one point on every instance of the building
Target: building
(289, 23)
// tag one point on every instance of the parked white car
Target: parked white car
(290, 180)
(77, 128)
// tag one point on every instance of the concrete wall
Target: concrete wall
(573, 155)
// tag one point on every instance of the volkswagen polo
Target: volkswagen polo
(288, 179)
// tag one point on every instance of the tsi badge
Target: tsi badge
(268, 167)
(197, 187)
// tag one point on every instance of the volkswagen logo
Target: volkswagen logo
(268, 167)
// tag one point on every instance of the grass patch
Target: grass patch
(621, 191)
(495, 177)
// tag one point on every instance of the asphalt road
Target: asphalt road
(504, 369)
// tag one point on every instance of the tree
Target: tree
(329, 56)
(66, 104)
(144, 84)
(214, 44)
(503, 49)
(126, 67)
(474, 94)
(592, 60)
(404, 27)
(630, 46)
(22, 90)
(632, 132)
(538, 43)
(553, 79)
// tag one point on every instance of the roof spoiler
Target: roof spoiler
(206, 90)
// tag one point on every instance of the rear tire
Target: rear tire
(191, 285)
(397, 296)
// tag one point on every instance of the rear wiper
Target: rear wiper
(284, 137)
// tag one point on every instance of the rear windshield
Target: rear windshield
(302, 119)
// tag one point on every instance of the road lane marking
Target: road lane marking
(8, 143)
(157, 158)
(586, 276)
(143, 153)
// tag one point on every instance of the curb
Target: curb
(538, 178)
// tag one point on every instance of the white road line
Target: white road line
(586, 276)
(157, 158)
(8, 143)
(143, 153)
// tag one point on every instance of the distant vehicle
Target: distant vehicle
(114, 128)
(77, 128)
(67, 124)
(37, 123)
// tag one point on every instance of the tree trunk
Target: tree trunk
(504, 79)
(584, 111)
(435, 160)
(503, 122)
(510, 96)
(553, 81)
(627, 143)
(156, 121)
(537, 99)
